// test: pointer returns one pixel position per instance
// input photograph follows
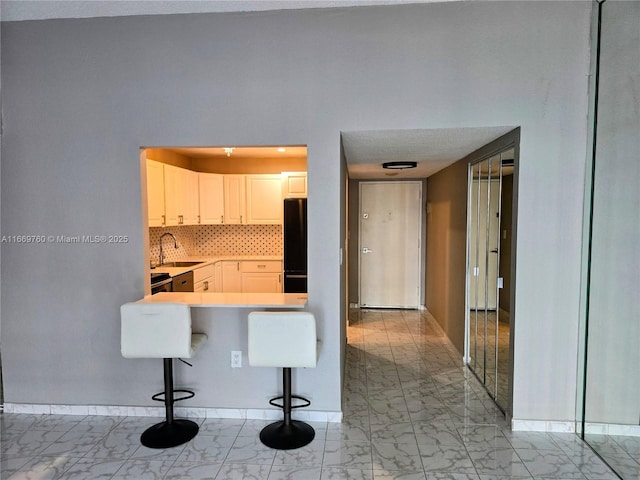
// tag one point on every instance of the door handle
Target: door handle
(366, 250)
(494, 250)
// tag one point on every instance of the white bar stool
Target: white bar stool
(286, 340)
(162, 330)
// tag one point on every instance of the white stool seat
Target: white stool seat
(160, 330)
(283, 339)
(286, 340)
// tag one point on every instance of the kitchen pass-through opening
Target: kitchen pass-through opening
(225, 219)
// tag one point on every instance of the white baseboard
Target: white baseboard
(572, 427)
(185, 412)
(542, 426)
(612, 429)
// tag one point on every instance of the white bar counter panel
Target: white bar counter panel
(223, 391)
(231, 300)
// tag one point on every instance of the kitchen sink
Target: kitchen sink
(179, 264)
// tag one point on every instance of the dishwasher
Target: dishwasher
(183, 283)
(160, 282)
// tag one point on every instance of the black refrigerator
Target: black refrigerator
(295, 245)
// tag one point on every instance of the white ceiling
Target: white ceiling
(239, 153)
(432, 149)
(15, 10)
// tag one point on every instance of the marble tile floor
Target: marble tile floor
(621, 452)
(411, 412)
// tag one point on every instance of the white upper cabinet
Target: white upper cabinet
(192, 212)
(234, 199)
(211, 186)
(174, 194)
(294, 184)
(177, 196)
(264, 199)
(155, 193)
(179, 190)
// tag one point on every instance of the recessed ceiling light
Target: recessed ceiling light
(282, 149)
(399, 165)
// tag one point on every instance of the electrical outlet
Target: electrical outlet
(236, 359)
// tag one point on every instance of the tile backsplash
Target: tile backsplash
(216, 240)
(186, 243)
(238, 240)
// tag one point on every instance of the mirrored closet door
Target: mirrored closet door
(488, 252)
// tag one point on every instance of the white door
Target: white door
(390, 238)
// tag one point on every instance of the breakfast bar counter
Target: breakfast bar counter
(231, 300)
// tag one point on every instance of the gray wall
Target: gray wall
(446, 262)
(447, 250)
(613, 392)
(81, 96)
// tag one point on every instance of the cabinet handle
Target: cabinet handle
(262, 266)
(198, 218)
(221, 218)
(240, 218)
(238, 266)
(180, 219)
(164, 219)
(280, 278)
(206, 286)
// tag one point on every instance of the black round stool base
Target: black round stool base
(280, 436)
(167, 435)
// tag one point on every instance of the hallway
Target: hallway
(412, 412)
(424, 415)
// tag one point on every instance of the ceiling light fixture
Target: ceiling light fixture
(282, 149)
(228, 151)
(399, 165)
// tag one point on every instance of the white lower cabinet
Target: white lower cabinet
(231, 277)
(261, 282)
(204, 279)
(252, 276)
(239, 276)
(261, 276)
(217, 277)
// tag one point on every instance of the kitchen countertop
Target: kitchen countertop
(174, 271)
(231, 300)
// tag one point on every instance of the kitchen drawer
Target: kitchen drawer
(203, 273)
(204, 286)
(270, 266)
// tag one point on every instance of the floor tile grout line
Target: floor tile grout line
(408, 368)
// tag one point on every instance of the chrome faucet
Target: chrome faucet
(175, 244)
